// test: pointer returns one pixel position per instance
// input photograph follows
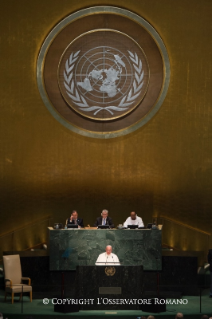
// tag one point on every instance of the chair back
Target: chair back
(12, 269)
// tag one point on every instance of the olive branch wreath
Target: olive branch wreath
(80, 101)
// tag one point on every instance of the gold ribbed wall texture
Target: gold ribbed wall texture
(164, 168)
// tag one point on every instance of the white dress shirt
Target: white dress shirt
(105, 259)
(138, 221)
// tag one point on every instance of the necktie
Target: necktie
(104, 222)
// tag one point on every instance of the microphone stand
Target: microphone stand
(106, 260)
(107, 223)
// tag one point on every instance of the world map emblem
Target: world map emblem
(103, 72)
(103, 75)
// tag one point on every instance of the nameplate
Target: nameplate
(110, 290)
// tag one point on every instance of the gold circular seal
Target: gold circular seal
(110, 271)
(103, 72)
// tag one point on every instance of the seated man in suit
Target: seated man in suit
(104, 219)
(75, 220)
(107, 258)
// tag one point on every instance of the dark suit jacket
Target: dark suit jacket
(79, 222)
(108, 222)
(210, 258)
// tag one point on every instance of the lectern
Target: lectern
(102, 283)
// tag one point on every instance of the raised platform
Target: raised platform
(38, 310)
(179, 275)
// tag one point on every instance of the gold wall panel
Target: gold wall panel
(164, 168)
(24, 237)
(184, 237)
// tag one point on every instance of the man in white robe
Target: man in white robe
(107, 258)
(134, 220)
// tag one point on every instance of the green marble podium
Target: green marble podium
(81, 247)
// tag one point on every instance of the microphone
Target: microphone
(106, 259)
(114, 262)
(107, 222)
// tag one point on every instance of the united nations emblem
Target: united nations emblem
(103, 81)
(103, 72)
(110, 271)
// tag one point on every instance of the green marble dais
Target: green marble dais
(70, 248)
